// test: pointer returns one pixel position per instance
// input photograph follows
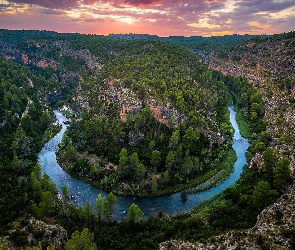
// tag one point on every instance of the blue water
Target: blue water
(171, 204)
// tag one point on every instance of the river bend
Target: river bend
(171, 204)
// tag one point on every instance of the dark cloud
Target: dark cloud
(47, 11)
(92, 20)
(264, 5)
(4, 6)
(141, 2)
(54, 4)
(121, 3)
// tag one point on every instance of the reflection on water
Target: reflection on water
(171, 204)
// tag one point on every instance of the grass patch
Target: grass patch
(207, 180)
(204, 209)
(244, 126)
(225, 169)
(50, 132)
(66, 113)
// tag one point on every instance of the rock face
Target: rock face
(85, 55)
(166, 114)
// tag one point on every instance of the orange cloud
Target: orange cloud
(259, 25)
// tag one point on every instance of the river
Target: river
(168, 205)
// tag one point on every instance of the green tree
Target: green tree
(99, 206)
(174, 140)
(22, 145)
(282, 174)
(154, 184)
(37, 171)
(65, 193)
(64, 198)
(134, 213)
(37, 211)
(140, 172)
(259, 147)
(88, 212)
(190, 138)
(45, 120)
(27, 124)
(109, 205)
(166, 178)
(269, 161)
(188, 166)
(134, 161)
(81, 241)
(156, 158)
(263, 195)
(36, 185)
(170, 158)
(47, 202)
(48, 184)
(123, 161)
(70, 153)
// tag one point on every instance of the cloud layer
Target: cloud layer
(161, 17)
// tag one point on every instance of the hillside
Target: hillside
(202, 46)
(152, 102)
(268, 64)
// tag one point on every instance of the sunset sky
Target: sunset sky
(158, 17)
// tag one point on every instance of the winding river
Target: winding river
(168, 205)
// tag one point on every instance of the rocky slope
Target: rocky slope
(275, 229)
(268, 64)
(31, 232)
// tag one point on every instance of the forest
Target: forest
(146, 114)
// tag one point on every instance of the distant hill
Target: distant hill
(202, 46)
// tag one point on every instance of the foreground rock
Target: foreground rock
(31, 232)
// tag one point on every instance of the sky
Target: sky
(157, 17)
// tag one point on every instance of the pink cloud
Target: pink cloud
(161, 17)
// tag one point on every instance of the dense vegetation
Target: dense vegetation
(25, 126)
(160, 74)
(202, 46)
(151, 151)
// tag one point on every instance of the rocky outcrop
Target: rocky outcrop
(85, 55)
(135, 137)
(257, 162)
(165, 114)
(32, 232)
